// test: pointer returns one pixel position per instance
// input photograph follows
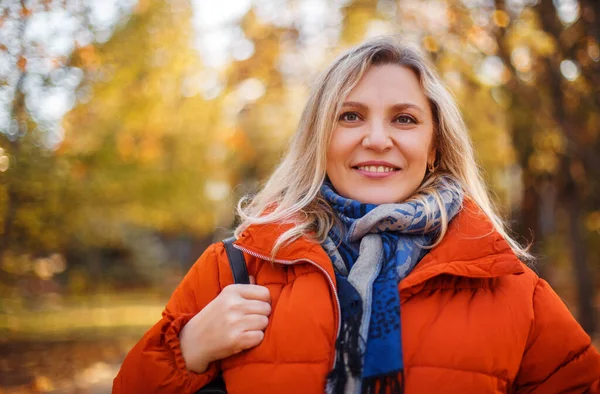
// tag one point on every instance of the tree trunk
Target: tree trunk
(570, 189)
(583, 274)
(19, 112)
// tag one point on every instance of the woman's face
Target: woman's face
(383, 139)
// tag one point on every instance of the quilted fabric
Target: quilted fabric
(474, 319)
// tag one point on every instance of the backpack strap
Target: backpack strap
(237, 262)
(240, 276)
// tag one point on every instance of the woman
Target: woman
(378, 261)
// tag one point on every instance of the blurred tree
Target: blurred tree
(256, 101)
(358, 15)
(554, 67)
(141, 144)
(32, 182)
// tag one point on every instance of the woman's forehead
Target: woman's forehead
(388, 85)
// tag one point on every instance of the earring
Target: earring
(431, 167)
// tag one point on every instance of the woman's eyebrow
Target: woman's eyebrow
(405, 106)
(394, 108)
(354, 104)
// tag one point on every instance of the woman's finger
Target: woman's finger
(256, 307)
(250, 339)
(254, 292)
(254, 322)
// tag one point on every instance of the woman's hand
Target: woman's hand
(234, 321)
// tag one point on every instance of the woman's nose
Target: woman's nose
(377, 137)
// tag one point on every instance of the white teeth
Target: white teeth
(376, 168)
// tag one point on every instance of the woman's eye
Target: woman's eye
(405, 119)
(349, 117)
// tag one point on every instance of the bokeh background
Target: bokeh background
(129, 129)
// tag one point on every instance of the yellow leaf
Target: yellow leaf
(592, 221)
(430, 44)
(22, 63)
(501, 18)
(25, 12)
(543, 43)
(43, 384)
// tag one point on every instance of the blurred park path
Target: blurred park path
(69, 351)
(66, 367)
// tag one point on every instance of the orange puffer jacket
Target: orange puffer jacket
(474, 320)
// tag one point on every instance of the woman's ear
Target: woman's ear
(432, 156)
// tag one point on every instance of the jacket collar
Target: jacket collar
(259, 240)
(471, 248)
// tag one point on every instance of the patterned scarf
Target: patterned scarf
(378, 246)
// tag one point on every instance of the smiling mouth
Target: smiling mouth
(376, 169)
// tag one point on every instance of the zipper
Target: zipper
(331, 284)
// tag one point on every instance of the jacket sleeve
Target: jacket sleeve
(559, 357)
(155, 363)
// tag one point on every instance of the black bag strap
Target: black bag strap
(240, 276)
(237, 262)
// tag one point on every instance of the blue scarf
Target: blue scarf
(377, 247)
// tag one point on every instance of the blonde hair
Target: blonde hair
(291, 194)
